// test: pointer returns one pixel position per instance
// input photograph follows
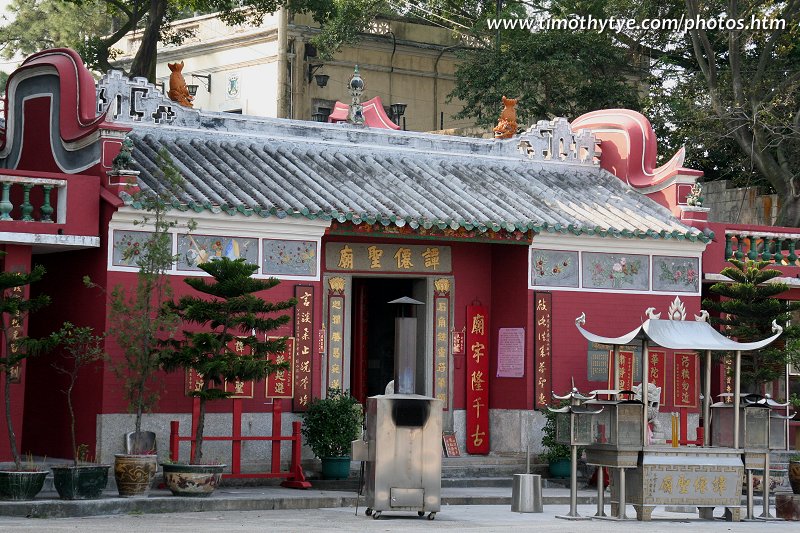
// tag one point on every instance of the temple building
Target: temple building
(505, 242)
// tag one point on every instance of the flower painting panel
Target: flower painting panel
(290, 258)
(129, 247)
(194, 250)
(616, 271)
(553, 268)
(676, 274)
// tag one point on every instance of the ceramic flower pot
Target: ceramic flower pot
(84, 482)
(192, 480)
(134, 473)
(794, 476)
(21, 485)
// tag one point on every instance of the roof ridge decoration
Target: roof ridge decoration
(58, 81)
(137, 101)
(554, 140)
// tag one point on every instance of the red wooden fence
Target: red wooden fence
(294, 476)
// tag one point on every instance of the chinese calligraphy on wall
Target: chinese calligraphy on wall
(364, 257)
(281, 383)
(685, 379)
(542, 346)
(477, 380)
(304, 335)
(441, 330)
(336, 310)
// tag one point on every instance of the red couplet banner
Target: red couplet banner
(686, 379)
(477, 356)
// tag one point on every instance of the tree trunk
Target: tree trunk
(72, 416)
(201, 421)
(789, 214)
(144, 63)
(12, 437)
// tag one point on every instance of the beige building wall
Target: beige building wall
(400, 62)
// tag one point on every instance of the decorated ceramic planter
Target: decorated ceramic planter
(84, 482)
(794, 476)
(134, 473)
(21, 485)
(192, 480)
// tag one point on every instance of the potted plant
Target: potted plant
(17, 483)
(227, 315)
(137, 319)
(330, 425)
(80, 348)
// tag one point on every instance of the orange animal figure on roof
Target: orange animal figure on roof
(507, 125)
(178, 92)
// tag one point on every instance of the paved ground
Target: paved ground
(488, 518)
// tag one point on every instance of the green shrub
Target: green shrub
(332, 423)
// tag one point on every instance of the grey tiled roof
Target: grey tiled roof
(267, 167)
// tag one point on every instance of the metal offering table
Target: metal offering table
(701, 477)
(705, 477)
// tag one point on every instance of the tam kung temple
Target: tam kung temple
(504, 241)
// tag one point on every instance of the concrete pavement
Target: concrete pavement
(484, 518)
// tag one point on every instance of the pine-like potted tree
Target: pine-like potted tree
(79, 348)
(17, 483)
(228, 311)
(746, 311)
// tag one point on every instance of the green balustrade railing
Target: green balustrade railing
(46, 207)
(778, 248)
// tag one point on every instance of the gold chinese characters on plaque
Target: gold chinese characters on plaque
(379, 257)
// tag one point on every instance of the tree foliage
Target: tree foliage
(138, 317)
(80, 348)
(14, 310)
(730, 95)
(747, 309)
(228, 312)
(41, 24)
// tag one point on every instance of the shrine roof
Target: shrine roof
(679, 335)
(271, 167)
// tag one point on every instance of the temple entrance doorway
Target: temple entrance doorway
(374, 330)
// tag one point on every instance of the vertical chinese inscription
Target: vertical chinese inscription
(304, 338)
(238, 388)
(625, 364)
(441, 343)
(280, 384)
(657, 371)
(685, 379)
(336, 331)
(16, 331)
(477, 349)
(543, 346)
(727, 377)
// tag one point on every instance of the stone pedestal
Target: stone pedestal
(787, 506)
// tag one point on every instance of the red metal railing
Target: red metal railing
(294, 477)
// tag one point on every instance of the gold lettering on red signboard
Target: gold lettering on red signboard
(542, 322)
(477, 374)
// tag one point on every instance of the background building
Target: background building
(270, 70)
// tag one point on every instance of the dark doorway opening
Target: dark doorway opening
(373, 331)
